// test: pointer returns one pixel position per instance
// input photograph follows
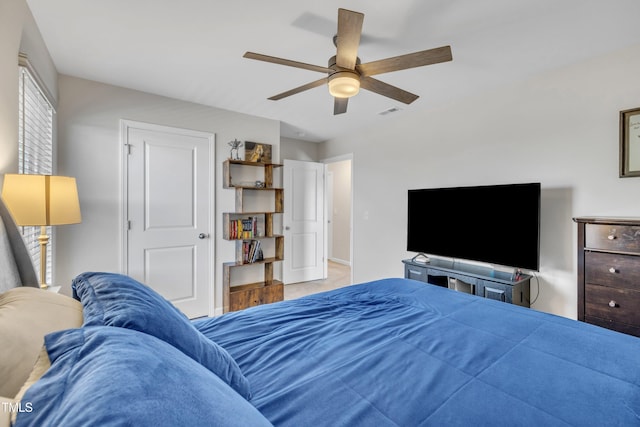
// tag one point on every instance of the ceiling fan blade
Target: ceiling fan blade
(348, 38)
(340, 105)
(403, 62)
(281, 61)
(299, 89)
(387, 90)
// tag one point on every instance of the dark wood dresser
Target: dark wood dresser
(609, 273)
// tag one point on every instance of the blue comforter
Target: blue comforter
(400, 352)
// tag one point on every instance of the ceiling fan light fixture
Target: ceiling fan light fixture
(344, 84)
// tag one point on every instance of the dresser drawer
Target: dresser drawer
(612, 305)
(613, 270)
(609, 237)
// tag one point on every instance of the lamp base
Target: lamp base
(43, 239)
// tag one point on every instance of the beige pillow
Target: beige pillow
(42, 365)
(26, 316)
(5, 411)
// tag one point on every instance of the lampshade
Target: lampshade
(41, 199)
(344, 84)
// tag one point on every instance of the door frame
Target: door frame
(125, 125)
(328, 161)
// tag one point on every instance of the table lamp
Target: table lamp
(41, 200)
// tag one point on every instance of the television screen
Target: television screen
(496, 224)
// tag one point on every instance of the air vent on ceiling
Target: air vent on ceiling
(389, 111)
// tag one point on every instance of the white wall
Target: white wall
(89, 148)
(295, 149)
(560, 129)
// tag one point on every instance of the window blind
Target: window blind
(35, 149)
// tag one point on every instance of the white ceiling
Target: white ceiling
(192, 49)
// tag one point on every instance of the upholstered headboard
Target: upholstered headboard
(16, 268)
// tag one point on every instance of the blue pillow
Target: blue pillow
(104, 376)
(116, 300)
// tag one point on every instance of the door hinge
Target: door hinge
(128, 224)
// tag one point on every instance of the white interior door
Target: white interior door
(303, 221)
(168, 205)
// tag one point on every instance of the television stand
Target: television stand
(477, 280)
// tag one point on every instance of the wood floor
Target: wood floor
(339, 276)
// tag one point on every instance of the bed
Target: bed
(391, 352)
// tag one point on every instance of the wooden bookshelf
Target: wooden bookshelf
(240, 296)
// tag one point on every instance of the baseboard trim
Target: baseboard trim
(340, 261)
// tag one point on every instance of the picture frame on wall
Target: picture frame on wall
(630, 143)
(257, 152)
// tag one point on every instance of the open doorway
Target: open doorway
(339, 220)
(338, 197)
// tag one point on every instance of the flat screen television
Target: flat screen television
(495, 224)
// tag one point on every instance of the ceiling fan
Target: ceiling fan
(346, 75)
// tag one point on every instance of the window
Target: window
(35, 146)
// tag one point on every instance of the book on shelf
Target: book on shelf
(252, 251)
(243, 228)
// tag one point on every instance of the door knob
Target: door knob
(202, 236)
(287, 228)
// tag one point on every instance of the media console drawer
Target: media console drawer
(415, 272)
(609, 273)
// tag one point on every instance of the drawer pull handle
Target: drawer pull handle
(613, 304)
(611, 237)
(612, 270)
